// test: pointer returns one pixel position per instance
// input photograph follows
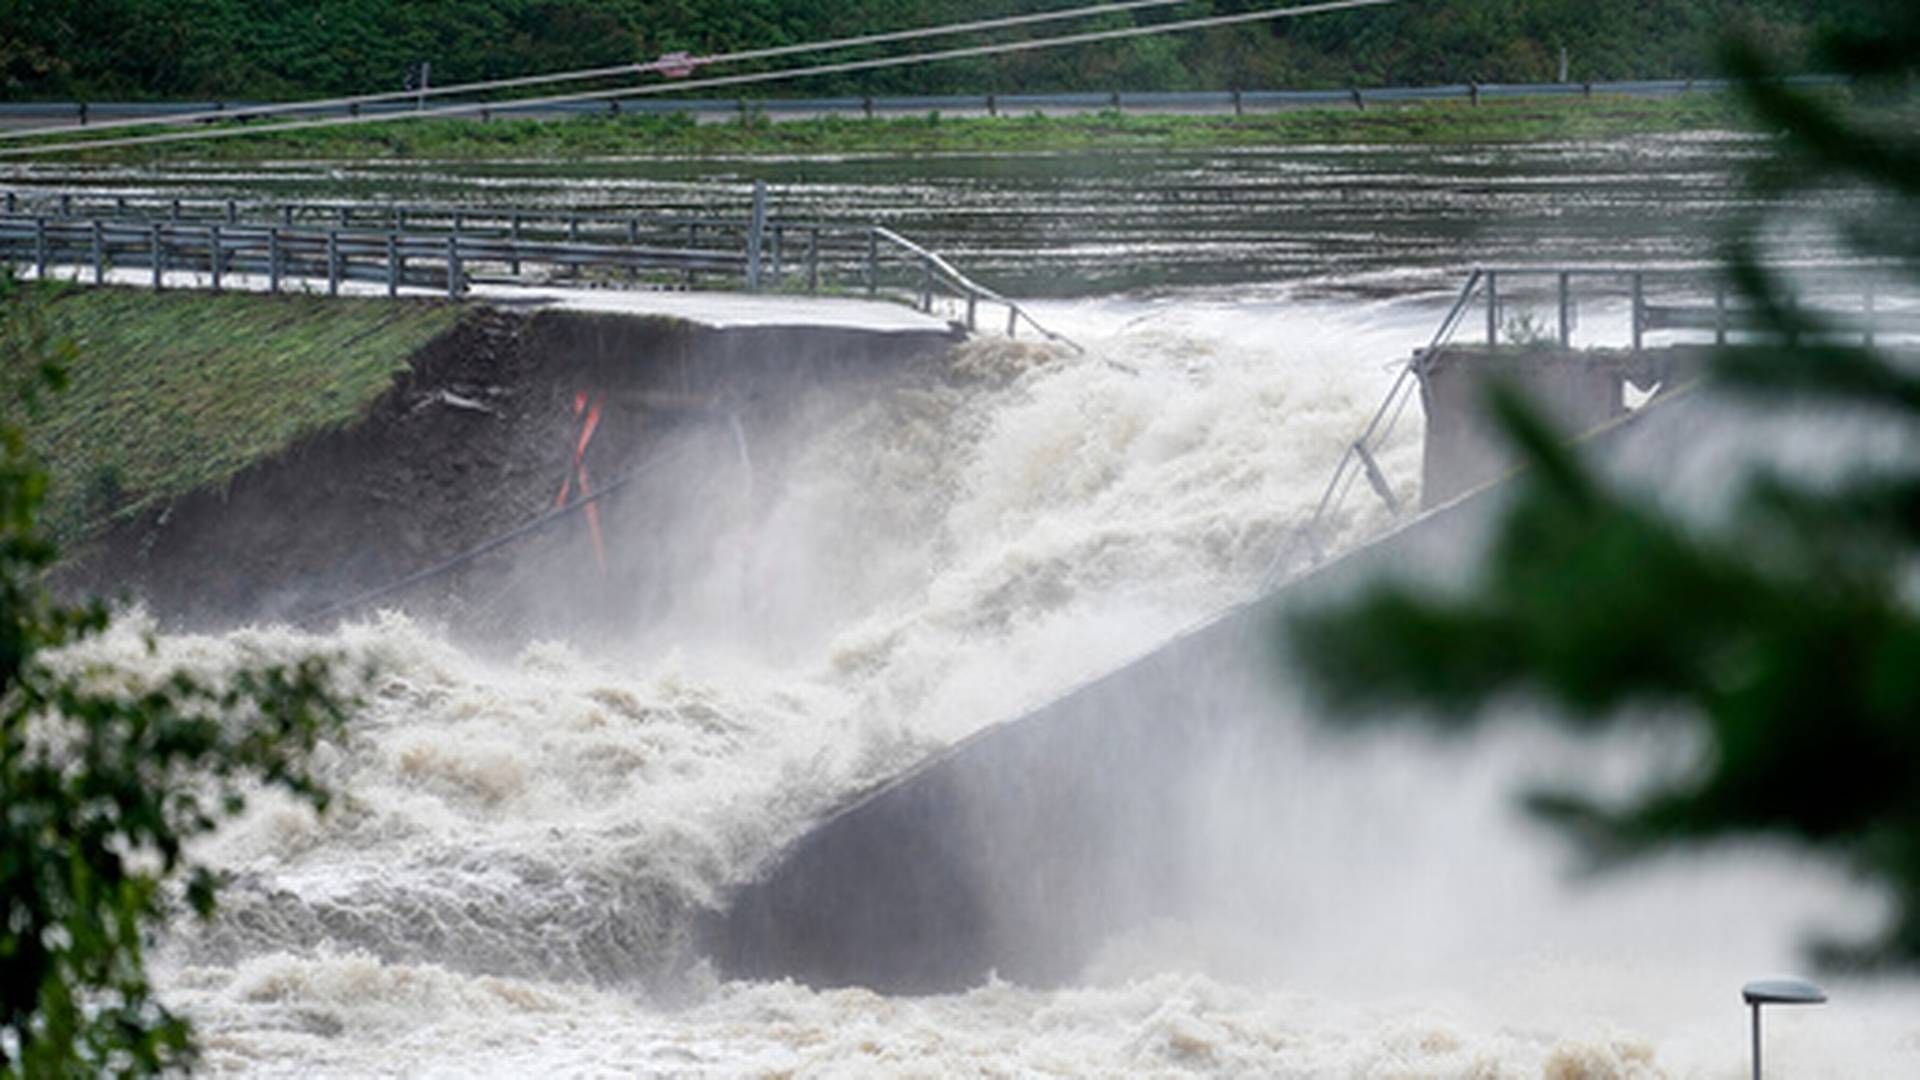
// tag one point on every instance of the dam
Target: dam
(549, 837)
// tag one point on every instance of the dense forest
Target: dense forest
(265, 49)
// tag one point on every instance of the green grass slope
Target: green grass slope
(179, 390)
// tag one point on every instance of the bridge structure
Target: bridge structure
(450, 249)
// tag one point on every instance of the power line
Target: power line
(677, 64)
(751, 78)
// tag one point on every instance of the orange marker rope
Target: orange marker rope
(590, 406)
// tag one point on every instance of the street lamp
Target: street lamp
(1781, 991)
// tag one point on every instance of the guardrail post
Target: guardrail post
(1239, 105)
(973, 302)
(333, 262)
(1719, 312)
(573, 228)
(633, 241)
(40, 247)
(1566, 310)
(99, 253)
(1493, 310)
(873, 262)
(213, 255)
(1473, 93)
(813, 259)
(779, 255)
(1639, 309)
(66, 204)
(233, 212)
(13, 202)
(273, 260)
(693, 244)
(926, 285)
(513, 235)
(1113, 101)
(1359, 102)
(174, 214)
(83, 114)
(456, 274)
(993, 105)
(159, 258)
(866, 105)
(286, 214)
(393, 264)
(756, 225)
(1013, 321)
(1867, 305)
(343, 217)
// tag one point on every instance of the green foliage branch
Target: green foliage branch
(104, 781)
(1787, 637)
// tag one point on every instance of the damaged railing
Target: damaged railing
(1359, 458)
(936, 273)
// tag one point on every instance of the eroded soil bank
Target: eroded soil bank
(492, 422)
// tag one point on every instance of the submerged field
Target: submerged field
(1533, 119)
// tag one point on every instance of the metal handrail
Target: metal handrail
(972, 290)
(1358, 452)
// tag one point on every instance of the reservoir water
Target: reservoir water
(507, 886)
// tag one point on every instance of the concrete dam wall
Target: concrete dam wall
(1020, 850)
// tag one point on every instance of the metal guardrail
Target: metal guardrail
(279, 254)
(448, 247)
(1844, 298)
(992, 104)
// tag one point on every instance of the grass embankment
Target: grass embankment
(180, 390)
(1517, 120)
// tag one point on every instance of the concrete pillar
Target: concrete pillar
(1576, 390)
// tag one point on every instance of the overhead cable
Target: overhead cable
(676, 64)
(745, 79)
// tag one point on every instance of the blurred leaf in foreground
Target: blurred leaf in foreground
(105, 778)
(1787, 636)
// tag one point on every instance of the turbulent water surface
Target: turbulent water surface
(506, 886)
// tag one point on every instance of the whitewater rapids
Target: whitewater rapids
(505, 887)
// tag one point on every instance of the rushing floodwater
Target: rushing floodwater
(505, 889)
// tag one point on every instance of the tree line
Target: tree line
(268, 49)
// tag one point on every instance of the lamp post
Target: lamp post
(1780, 991)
